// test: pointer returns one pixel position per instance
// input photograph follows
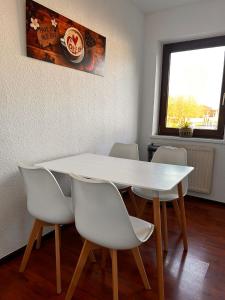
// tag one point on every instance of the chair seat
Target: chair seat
(142, 229)
(148, 194)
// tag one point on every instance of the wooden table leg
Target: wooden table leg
(159, 253)
(183, 216)
(165, 228)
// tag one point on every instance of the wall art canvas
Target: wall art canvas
(56, 39)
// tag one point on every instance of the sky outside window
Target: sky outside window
(195, 87)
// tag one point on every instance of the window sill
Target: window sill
(195, 140)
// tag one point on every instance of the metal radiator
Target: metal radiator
(202, 159)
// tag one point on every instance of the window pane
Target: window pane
(195, 82)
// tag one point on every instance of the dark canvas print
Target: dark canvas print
(54, 38)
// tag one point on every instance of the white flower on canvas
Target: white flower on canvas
(54, 23)
(34, 23)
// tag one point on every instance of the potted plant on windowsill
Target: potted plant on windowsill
(185, 129)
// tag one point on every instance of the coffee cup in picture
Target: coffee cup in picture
(74, 44)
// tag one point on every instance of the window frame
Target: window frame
(185, 46)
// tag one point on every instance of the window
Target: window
(193, 87)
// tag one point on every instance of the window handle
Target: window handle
(223, 102)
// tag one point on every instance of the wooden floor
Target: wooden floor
(197, 275)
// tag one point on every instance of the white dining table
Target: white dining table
(154, 176)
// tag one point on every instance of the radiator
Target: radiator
(202, 159)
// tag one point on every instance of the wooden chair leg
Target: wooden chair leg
(141, 268)
(183, 216)
(33, 236)
(60, 236)
(114, 274)
(133, 200)
(91, 255)
(165, 227)
(177, 211)
(39, 236)
(79, 268)
(57, 259)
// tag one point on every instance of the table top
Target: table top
(154, 176)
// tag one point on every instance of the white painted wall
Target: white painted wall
(203, 19)
(49, 111)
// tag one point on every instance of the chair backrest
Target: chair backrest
(45, 199)
(129, 151)
(100, 214)
(174, 156)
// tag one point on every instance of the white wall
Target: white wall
(48, 111)
(203, 19)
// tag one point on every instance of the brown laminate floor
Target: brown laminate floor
(196, 275)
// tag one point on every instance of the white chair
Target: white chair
(166, 155)
(128, 151)
(47, 204)
(102, 220)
